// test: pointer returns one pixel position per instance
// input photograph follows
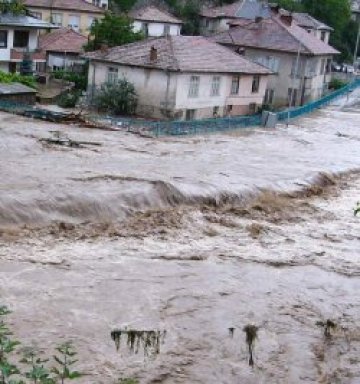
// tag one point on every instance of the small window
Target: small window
(37, 15)
(216, 112)
(112, 75)
(166, 29)
(215, 86)
(57, 18)
(74, 22)
(145, 29)
(21, 39)
(190, 114)
(323, 35)
(3, 39)
(323, 66)
(235, 85)
(252, 108)
(229, 109)
(269, 96)
(194, 86)
(255, 84)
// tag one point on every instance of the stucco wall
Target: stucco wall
(5, 53)
(61, 60)
(157, 29)
(84, 17)
(165, 94)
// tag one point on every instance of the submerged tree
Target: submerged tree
(149, 341)
(251, 334)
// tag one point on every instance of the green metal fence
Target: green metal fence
(171, 128)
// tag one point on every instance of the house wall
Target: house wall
(85, 18)
(164, 94)
(99, 3)
(204, 103)
(156, 89)
(5, 53)
(61, 60)
(209, 26)
(156, 29)
(310, 83)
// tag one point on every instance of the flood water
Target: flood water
(190, 235)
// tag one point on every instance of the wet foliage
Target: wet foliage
(38, 369)
(149, 341)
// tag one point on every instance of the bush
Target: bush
(78, 78)
(336, 84)
(69, 99)
(119, 98)
(16, 78)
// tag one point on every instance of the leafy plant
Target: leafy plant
(69, 99)
(15, 7)
(65, 360)
(336, 84)
(128, 381)
(251, 335)
(78, 78)
(16, 78)
(118, 98)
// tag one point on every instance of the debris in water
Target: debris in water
(357, 208)
(328, 325)
(231, 331)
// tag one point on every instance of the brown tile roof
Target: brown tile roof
(229, 10)
(180, 53)
(307, 21)
(62, 40)
(273, 34)
(152, 13)
(72, 5)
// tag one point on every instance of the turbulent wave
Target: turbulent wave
(112, 198)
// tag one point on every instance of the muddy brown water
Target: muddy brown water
(186, 235)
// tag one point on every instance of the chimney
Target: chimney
(153, 54)
(286, 19)
(104, 48)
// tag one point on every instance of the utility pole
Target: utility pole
(356, 49)
(294, 75)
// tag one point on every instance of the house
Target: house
(19, 35)
(300, 61)
(76, 14)
(18, 93)
(216, 19)
(100, 3)
(154, 22)
(355, 10)
(182, 77)
(63, 48)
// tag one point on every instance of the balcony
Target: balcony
(17, 54)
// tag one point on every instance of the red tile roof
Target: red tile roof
(273, 34)
(62, 40)
(180, 53)
(225, 11)
(152, 13)
(72, 5)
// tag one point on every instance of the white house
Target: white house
(155, 22)
(182, 77)
(19, 34)
(63, 48)
(99, 3)
(300, 61)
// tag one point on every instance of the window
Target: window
(269, 96)
(112, 75)
(255, 84)
(235, 81)
(145, 29)
(190, 114)
(74, 22)
(252, 108)
(57, 19)
(323, 35)
(91, 21)
(292, 96)
(194, 86)
(229, 109)
(215, 86)
(271, 62)
(216, 112)
(166, 29)
(322, 66)
(3, 39)
(21, 39)
(37, 15)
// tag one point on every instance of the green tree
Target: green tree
(119, 98)
(14, 6)
(112, 30)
